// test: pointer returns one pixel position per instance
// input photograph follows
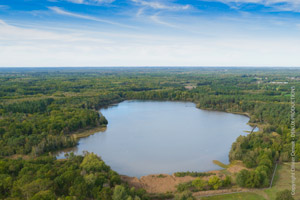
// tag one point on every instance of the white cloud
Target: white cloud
(91, 2)
(265, 2)
(14, 35)
(2, 23)
(157, 20)
(140, 12)
(4, 7)
(280, 5)
(159, 5)
(87, 17)
(34, 47)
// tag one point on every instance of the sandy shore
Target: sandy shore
(162, 183)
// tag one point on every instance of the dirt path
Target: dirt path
(211, 193)
(271, 183)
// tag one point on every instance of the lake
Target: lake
(153, 137)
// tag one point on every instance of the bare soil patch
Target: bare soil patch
(162, 183)
(235, 168)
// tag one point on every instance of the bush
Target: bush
(119, 193)
(103, 120)
(184, 196)
(193, 174)
(215, 182)
(44, 195)
(226, 182)
(199, 184)
(184, 186)
(242, 178)
(252, 179)
(284, 195)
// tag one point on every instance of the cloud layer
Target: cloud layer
(87, 17)
(33, 47)
(161, 5)
(91, 2)
(280, 5)
(150, 33)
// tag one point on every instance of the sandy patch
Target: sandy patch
(18, 156)
(235, 168)
(161, 183)
(190, 87)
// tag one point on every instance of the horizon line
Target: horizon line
(3, 67)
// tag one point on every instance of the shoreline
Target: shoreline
(259, 126)
(86, 132)
(163, 183)
(77, 135)
(82, 133)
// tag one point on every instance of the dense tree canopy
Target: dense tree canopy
(83, 177)
(41, 109)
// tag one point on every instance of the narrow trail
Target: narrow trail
(210, 195)
(271, 183)
(261, 192)
(254, 127)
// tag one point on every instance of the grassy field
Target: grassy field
(282, 181)
(238, 196)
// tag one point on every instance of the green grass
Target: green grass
(193, 174)
(237, 196)
(161, 176)
(282, 180)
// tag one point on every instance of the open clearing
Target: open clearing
(167, 183)
(238, 196)
(282, 181)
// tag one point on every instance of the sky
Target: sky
(62, 33)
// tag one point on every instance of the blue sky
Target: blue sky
(42, 33)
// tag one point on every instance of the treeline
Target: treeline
(20, 132)
(53, 143)
(27, 106)
(47, 125)
(262, 160)
(77, 177)
(193, 174)
(213, 183)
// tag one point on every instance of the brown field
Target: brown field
(161, 183)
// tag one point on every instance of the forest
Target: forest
(42, 108)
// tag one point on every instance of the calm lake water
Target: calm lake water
(151, 137)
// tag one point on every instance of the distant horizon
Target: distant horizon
(52, 67)
(62, 33)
